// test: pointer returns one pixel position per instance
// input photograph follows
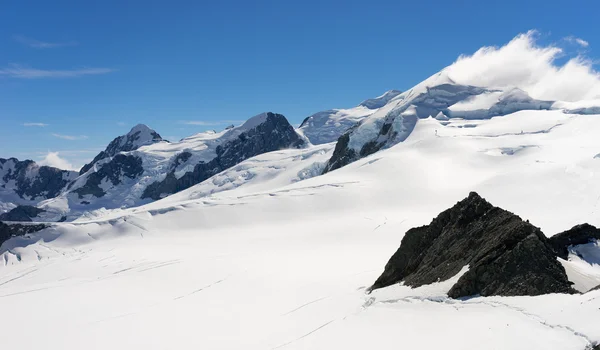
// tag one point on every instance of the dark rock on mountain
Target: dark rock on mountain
(506, 255)
(327, 126)
(344, 155)
(138, 136)
(274, 133)
(11, 230)
(32, 180)
(580, 234)
(21, 213)
(120, 165)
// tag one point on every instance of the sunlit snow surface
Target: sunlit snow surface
(273, 262)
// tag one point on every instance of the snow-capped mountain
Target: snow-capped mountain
(140, 135)
(292, 252)
(26, 183)
(140, 167)
(439, 97)
(328, 126)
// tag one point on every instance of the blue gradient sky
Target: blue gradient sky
(89, 71)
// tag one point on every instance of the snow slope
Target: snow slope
(328, 126)
(284, 264)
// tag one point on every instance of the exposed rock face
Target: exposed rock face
(138, 136)
(29, 180)
(580, 234)
(21, 213)
(113, 171)
(10, 230)
(271, 134)
(506, 255)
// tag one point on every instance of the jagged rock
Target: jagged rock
(268, 132)
(32, 180)
(21, 213)
(138, 136)
(113, 171)
(10, 230)
(580, 234)
(506, 255)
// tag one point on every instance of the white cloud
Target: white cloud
(577, 41)
(121, 123)
(35, 124)
(17, 71)
(54, 160)
(210, 123)
(524, 64)
(70, 137)
(37, 44)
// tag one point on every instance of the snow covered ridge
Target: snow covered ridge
(140, 167)
(328, 126)
(25, 182)
(492, 82)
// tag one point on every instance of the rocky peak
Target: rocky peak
(580, 234)
(505, 255)
(139, 135)
(262, 133)
(30, 180)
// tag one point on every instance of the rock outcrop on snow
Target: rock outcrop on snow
(21, 213)
(12, 230)
(504, 254)
(580, 234)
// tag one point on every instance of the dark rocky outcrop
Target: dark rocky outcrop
(138, 136)
(21, 213)
(120, 165)
(11, 230)
(274, 133)
(580, 234)
(32, 180)
(506, 255)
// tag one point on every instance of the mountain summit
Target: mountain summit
(139, 135)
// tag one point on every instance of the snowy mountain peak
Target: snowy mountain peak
(142, 128)
(257, 120)
(139, 135)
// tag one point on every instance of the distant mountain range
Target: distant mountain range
(141, 167)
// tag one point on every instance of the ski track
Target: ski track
(458, 304)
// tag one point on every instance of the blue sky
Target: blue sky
(76, 74)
